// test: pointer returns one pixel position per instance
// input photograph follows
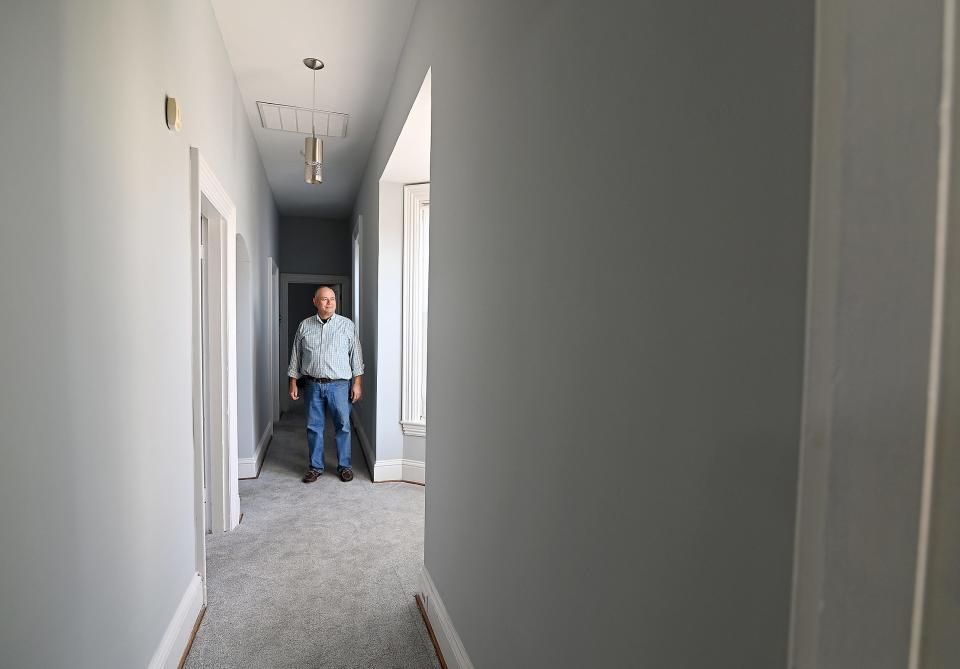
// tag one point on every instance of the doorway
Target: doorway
(213, 235)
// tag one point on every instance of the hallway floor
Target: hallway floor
(317, 575)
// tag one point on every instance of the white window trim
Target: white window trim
(416, 246)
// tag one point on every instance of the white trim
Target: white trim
(357, 274)
(223, 491)
(177, 636)
(414, 429)
(416, 267)
(250, 467)
(399, 469)
(343, 305)
(273, 331)
(454, 654)
(414, 471)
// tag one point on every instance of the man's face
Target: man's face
(325, 300)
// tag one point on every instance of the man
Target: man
(326, 356)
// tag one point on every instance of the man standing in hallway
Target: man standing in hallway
(326, 356)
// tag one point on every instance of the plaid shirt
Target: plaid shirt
(328, 350)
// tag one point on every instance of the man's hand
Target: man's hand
(294, 391)
(355, 391)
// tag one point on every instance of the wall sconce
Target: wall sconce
(173, 114)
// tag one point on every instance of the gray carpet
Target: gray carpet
(318, 575)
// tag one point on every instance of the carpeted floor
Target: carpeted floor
(318, 575)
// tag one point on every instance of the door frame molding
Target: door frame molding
(207, 192)
(273, 316)
(345, 306)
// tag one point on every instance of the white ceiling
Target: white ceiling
(359, 41)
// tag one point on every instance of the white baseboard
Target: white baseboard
(387, 470)
(454, 654)
(400, 469)
(175, 639)
(249, 468)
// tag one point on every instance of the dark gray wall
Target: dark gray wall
(872, 257)
(619, 213)
(314, 246)
(299, 306)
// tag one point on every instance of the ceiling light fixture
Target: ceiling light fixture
(313, 145)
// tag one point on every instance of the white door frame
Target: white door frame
(209, 197)
(357, 274)
(344, 306)
(273, 317)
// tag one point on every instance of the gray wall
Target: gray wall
(871, 266)
(619, 209)
(388, 441)
(97, 481)
(314, 246)
(247, 436)
(941, 616)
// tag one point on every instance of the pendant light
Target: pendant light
(313, 145)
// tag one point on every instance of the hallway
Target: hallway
(319, 575)
(665, 296)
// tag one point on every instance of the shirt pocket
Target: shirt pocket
(344, 341)
(306, 355)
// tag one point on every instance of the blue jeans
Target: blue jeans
(317, 397)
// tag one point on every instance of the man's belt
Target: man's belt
(314, 379)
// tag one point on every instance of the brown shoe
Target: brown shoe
(311, 475)
(346, 475)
